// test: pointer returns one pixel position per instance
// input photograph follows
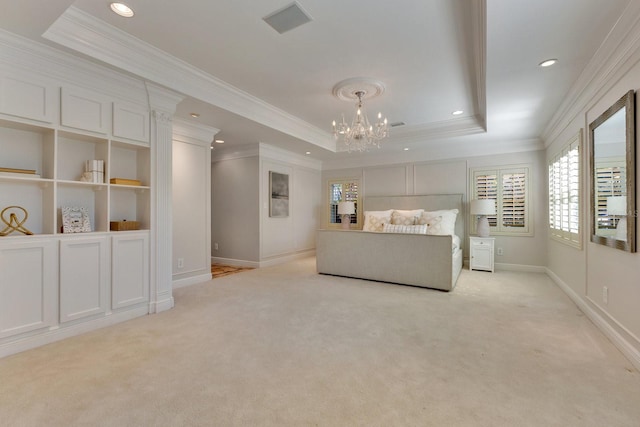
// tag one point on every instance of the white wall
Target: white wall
(452, 177)
(584, 272)
(235, 218)
(191, 203)
(241, 225)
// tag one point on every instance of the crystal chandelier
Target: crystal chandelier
(361, 135)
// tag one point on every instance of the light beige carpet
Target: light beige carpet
(283, 346)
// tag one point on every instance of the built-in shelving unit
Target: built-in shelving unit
(52, 281)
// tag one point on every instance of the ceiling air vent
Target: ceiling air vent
(396, 124)
(287, 18)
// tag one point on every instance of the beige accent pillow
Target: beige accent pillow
(375, 220)
(407, 229)
(442, 222)
(406, 217)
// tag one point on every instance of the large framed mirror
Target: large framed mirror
(613, 177)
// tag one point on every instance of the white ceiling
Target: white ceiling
(434, 57)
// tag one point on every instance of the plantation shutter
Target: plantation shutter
(564, 194)
(509, 188)
(342, 191)
(486, 185)
(610, 179)
(514, 200)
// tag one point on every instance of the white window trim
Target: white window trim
(500, 230)
(559, 234)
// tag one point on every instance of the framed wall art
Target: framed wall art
(278, 195)
(75, 220)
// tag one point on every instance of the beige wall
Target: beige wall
(452, 177)
(585, 272)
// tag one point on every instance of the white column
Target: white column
(162, 104)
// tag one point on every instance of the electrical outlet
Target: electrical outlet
(500, 252)
(605, 295)
(180, 262)
(215, 246)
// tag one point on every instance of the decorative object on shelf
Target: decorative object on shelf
(93, 171)
(75, 220)
(124, 225)
(124, 181)
(22, 173)
(482, 208)
(13, 224)
(617, 207)
(346, 209)
(278, 195)
(361, 134)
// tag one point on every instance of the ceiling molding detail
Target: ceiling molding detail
(242, 152)
(479, 45)
(186, 131)
(86, 34)
(278, 154)
(616, 55)
(28, 57)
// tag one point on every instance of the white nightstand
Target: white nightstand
(481, 253)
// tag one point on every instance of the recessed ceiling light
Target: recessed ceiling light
(548, 62)
(122, 9)
(195, 115)
(307, 153)
(405, 149)
(457, 112)
(219, 141)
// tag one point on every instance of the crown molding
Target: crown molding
(479, 41)
(186, 131)
(25, 56)
(242, 152)
(616, 55)
(444, 150)
(79, 31)
(433, 131)
(274, 153)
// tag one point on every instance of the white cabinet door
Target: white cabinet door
(481, 253)
(84, 277)
(29, 99)
(130, 122)
(129, 269)
(28, 285)
(83, 109)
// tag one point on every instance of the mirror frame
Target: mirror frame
(627, 101)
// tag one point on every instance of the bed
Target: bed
(430, 261)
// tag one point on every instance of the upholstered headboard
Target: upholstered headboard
(429, 202)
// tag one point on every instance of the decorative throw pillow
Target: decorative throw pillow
(375, 220)
(406, 217)
(442, 222)
(407, 229)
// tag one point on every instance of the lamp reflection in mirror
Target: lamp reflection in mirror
(482, 208)
(617, 207)
(345, 210)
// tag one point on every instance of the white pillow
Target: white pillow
(442, 222)
(407, 229)
(406, 217)
(374, 220)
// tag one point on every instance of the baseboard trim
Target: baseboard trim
(625, 347)
(281, 259)
(275, 260)
(513, 267)
(188, 281)
(235, 262)
(59, 333)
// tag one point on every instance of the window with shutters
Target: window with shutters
(564, 194)
(345, 190)
(509, 187)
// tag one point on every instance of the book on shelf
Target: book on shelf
(124, 181)
(20, 171)
(19, 174)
